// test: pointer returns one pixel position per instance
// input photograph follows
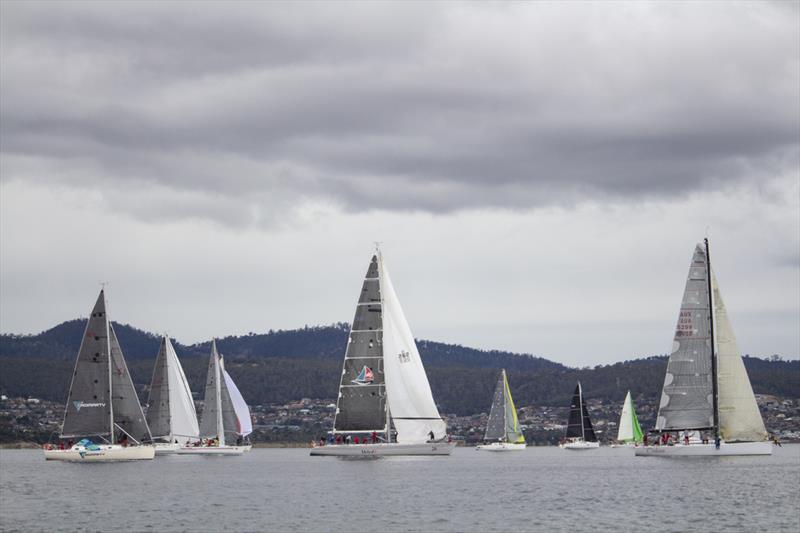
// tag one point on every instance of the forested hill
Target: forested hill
(280, 366)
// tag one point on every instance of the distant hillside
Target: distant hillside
(280, 366)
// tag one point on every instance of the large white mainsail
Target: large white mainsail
(739, 417)
(171, 413)
(411, 404)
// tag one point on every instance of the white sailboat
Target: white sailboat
(629, 432)
(226, 417)
(383, 382)
(502, 430)
(706, 388)
(102, 402)
(580, 433)
(170, 407)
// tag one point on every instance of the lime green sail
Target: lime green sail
(513, 433)
(629, 428)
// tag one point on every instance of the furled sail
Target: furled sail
(88, 410)
(244, 423)
(629, 429)
(170, 413)
(411, 404)
(686, 399)
(361, 405)
(739, 417)
(128, 415)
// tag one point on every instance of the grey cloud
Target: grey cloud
(424, 107)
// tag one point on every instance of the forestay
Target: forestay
(361, 405)
(686, 398)
(739, 417)
(411, 404)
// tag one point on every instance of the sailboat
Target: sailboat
(395, 390)
(502, 429)
(226, 417)
(580, 434)
(706, 387)
(629, 432)
(102, 403)
(170, 406)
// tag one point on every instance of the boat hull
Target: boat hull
(104, 453)
(165, 448)
(213, 450)
(383, 449)
(580, 445)
(706, 450)
(501, 447)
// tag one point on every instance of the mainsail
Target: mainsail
(579, 425)
(361, 406)
(687, 396)
(88, 410)
(102, 400)
(503, 424)
(739, 417)
(629, 429)
(219, 416)
(411, 404)
(170, 413)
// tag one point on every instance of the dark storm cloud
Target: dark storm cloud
(434, 107)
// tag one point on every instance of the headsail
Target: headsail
(411, 404)
(629, 429)
(244, 423)
(739, 417)
(513, 433)
(128, 415)
(158, 405)
(686, 399)
(88, 410)
(361, 406)
(217, 396)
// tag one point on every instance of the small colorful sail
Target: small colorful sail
(629, 429)
(364, 377)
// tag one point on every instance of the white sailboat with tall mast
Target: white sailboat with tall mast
(102, 404)
(706, 388)
(502, 430)
(383, 382)
(226, 417)
(170, 407)
(629, 432)
(580, 433)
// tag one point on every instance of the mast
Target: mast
(110, 386)
(580, 406)
(171, 430)
(714, 384)
(383, 353)
(218, 387)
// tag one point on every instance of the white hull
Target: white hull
(384, 449)
(501, 447)
(579, 445)
(706, 450)
(213, 450)
(625, 445)
(105, 453)
(165, 448)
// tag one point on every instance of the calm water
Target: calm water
(540, 489)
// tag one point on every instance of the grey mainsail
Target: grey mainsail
(128, 415)
(496, 426)
(361, 405)
(686, 399)
(88, 410)
(208, 421)
(158, 408)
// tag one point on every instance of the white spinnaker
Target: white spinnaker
(626, 421)
(411, 404)
(183, 416)
(739, 417)
(239, 406)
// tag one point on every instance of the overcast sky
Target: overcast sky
(538, 173)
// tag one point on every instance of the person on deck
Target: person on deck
(374, 437)
(355, 439)
(431, 435)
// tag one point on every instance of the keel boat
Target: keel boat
(502, 430)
